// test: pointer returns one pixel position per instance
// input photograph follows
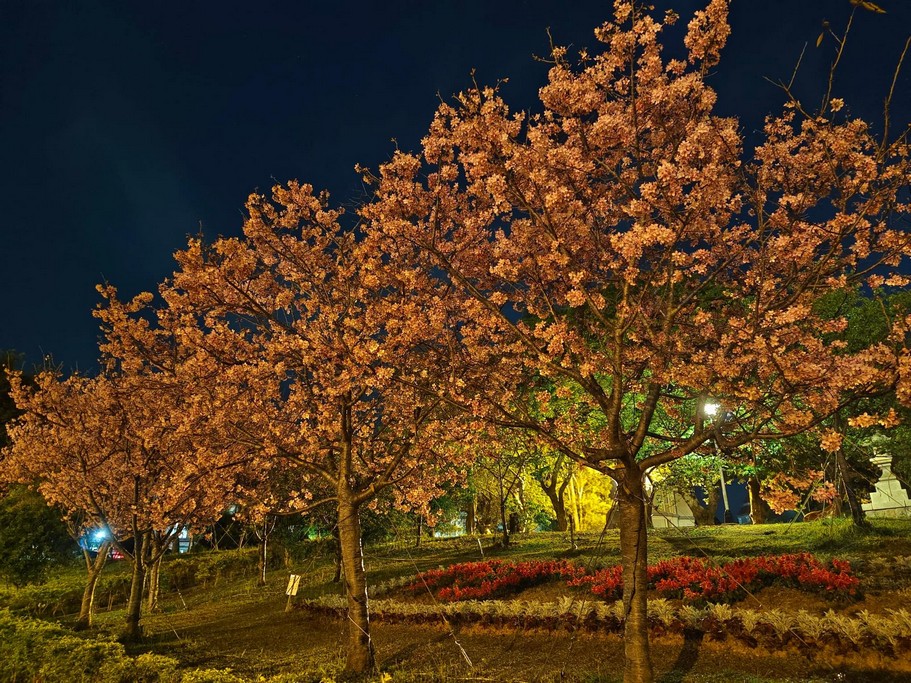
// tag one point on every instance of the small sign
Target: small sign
(294, 583)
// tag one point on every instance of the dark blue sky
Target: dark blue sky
(124, 126)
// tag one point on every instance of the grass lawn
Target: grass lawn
(231, 623)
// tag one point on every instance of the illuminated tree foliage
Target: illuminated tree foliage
(301, 347)
(623, 240)
(108, 452)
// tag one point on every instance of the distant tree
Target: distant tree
(553, 472)
(264, 496)
(106, 451)
(33, 537)
(498, 473)
(689, 473)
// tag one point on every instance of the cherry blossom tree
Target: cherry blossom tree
(329, 359)
(623, 241)
(105, 450)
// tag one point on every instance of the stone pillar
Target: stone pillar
(889, 499)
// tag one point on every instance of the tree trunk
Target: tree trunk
(417, 542)
(572, 533)
(505, 523)
(360, 656)
(93, 567)
(133, 630)
(154, 572)
(858, 516)
(558, 503)
(649, 504)
(471, 517)
(560, 512)
(759, 509)
(337, 546)
(263, 554)
(520, 516)
(704, 514)
(634, 553)
(833, 508)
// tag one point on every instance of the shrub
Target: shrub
(33, 537)
(490, 579)
(203, 568)
(63, 594)
(69, 658)
(889, 634)
(210, 676)
(33, 650)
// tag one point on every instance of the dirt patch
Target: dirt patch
(789, 599)
(551, 591)
(792, 600)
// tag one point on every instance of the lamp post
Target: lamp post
(710, 409)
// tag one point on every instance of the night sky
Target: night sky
(125, 126)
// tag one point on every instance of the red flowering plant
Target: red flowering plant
(491, 579)
(693, 579)
(687, 578)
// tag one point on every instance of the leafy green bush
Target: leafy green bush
(33, 537)
(67, 658)
(211, 676)
(148, 668)
(33, 650)
(62, 594)
(208, 567)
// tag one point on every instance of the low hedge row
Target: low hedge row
(63, 595)
(33, 651)
(889, 634)
(205, 568)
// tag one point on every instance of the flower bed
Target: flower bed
(686, 578)
(490, 579)
(695, 580)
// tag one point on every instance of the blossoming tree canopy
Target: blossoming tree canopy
(330, 359)
(96, 445)
(621, 241)
(108, 449)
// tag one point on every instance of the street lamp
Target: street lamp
(710, 409)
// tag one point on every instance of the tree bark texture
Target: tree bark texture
(154, 574)
(759, 509)
(360, 656)
(263, 554)
(93, 568)
(556, 496)
(858, 516)
(703, 514)
(133, 629)
(337, 548)
(634, 553)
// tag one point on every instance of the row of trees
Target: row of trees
(586, 277)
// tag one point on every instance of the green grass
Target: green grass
(231, 623)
